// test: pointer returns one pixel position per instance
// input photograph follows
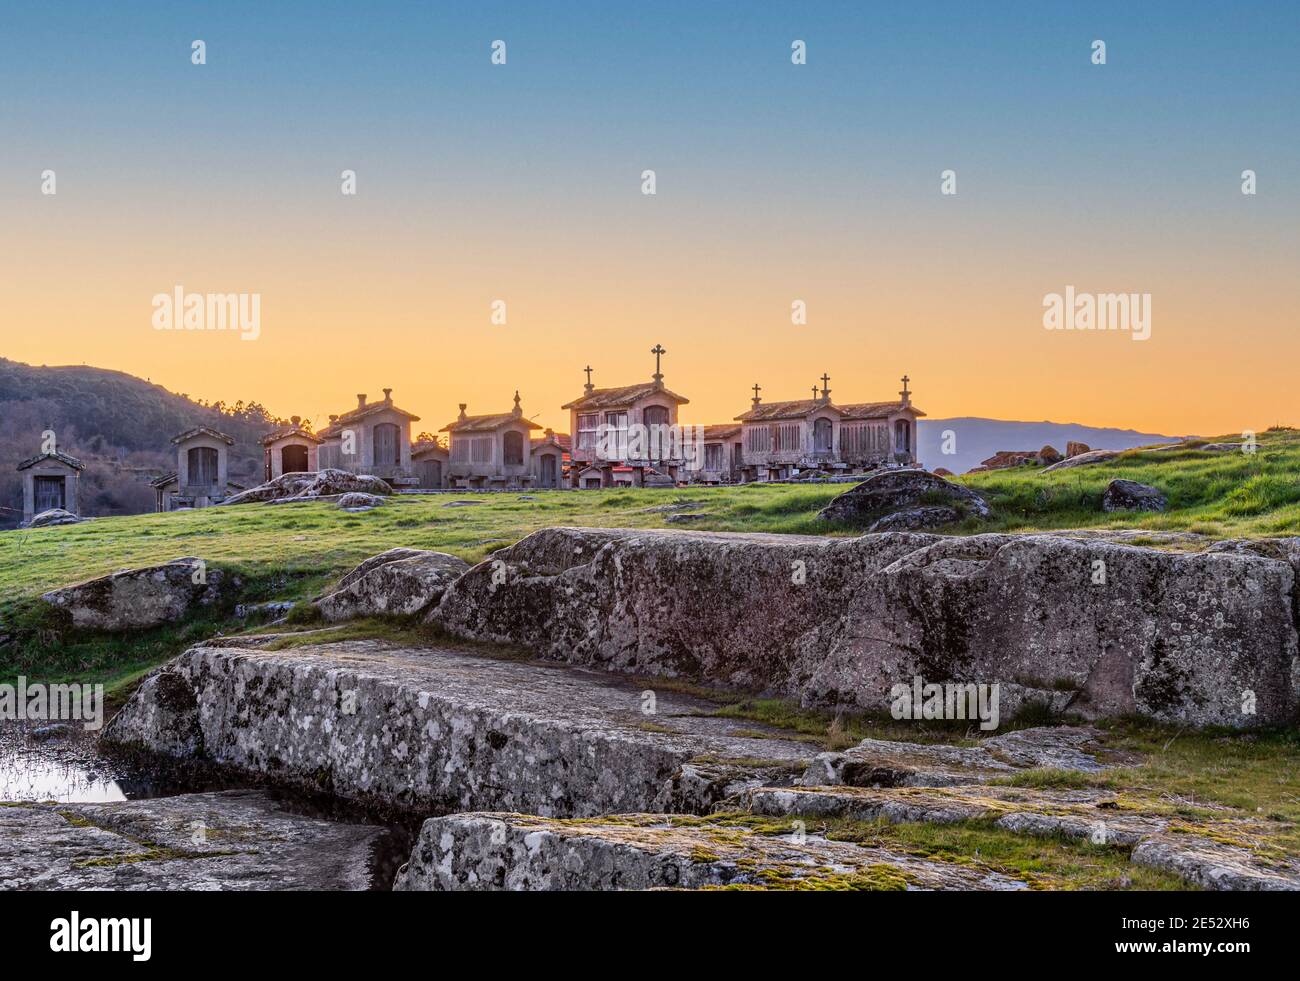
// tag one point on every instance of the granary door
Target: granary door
(902, 436)
(823, 436)
(429, 472)
(660, 439)
(293, 459)
(548, 470)
(202, 466)
(49, 493)
(388, 447)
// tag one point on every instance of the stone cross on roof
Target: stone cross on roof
(658, 351)
(756, 391)
(907, 396)
(826, 392)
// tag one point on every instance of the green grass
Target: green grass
(304, 545)
(1222, 495)
(1050, 862)
(835, 730)
(1045, 863)
(293, 551)
(1194, 773)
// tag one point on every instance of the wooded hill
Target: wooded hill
(118, 425)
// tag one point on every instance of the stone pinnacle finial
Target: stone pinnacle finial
(463, 406)
(517, 409)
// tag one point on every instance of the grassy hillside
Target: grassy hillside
(291, 551)
(1223, 495)
(1216, 494)
(118, 425)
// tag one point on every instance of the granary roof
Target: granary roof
(426, 446)
(341, 422)
(798, 409)
(610, 398)
(68, 461)
(562, 440)
(720, 431)
(279, 434)
(486, 424)
(877, 410)
(203, 431)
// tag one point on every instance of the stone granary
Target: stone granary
(496, 451)
(550, 454)
(723, 460)
(628, 430)
(49, 482)
(201, 478)
(779, 439)
(430, 458)
(291, 450)
(374, 438)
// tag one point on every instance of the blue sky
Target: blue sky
(774, 181)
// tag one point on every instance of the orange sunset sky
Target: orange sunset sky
(776, 182)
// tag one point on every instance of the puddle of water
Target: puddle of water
(33, 778)
(66, 766)
(62, 766)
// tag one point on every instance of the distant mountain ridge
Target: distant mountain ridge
(977, 439)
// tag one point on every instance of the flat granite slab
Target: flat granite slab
(433, 731)
(516, 852)
(892, 763)
(1220, 849)
(231, 840)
